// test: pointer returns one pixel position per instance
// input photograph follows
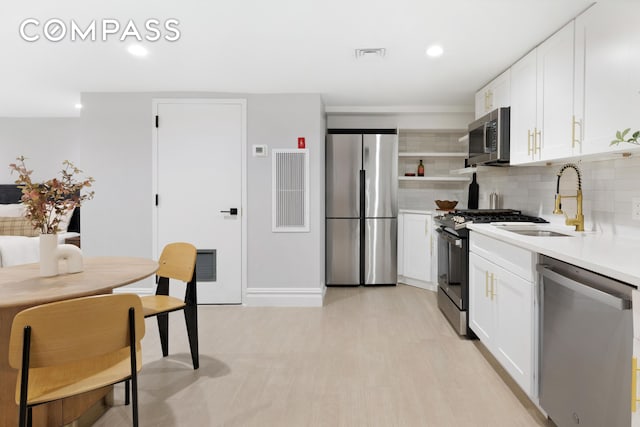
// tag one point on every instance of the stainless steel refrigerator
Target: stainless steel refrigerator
(361, 207)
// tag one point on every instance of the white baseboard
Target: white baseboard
(418, 283)
(285, 297)
(260, 297)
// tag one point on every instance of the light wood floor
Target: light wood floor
(370, 357)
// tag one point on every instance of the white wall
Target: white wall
(399, 120)
(284, 260)
(283, 268)
(46, 142)
(116, 150)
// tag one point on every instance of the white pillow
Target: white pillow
(63, 225)
(12, 210)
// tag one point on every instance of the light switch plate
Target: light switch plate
(635, 208)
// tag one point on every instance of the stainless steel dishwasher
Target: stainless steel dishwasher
(585, 346)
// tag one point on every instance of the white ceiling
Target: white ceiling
(277, 46)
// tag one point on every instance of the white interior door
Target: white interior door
(199, 152)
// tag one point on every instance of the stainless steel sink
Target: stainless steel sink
(533, 230)
(540, 233)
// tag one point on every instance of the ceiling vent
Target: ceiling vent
(372, 52)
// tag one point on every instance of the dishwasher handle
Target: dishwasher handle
(583, 289)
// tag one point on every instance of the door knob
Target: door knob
(231, 211)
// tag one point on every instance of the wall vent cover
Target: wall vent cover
(290, 190)
(370, 52)
(206, 261)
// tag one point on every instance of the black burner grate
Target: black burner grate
(483, 216)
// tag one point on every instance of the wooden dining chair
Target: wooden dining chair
(177, 261)
(66, 348)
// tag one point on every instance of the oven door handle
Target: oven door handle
(448, 237)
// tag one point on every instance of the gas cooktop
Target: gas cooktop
(461, 217)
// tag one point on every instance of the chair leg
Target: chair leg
(25, 410)
(163, 328)
(191, 319)
(29, 417)
(134, 370)
(134, 405)
(127, 399)
(24, 419)
(23, 416)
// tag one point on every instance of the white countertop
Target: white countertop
(417, 211)
(614, 256)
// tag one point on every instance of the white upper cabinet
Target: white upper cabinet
(494, 95)
(523, 110)
(555, 95)
(572, 93)
(542, 101)
(607, 53)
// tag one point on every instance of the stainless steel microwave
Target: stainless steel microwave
(489, 138)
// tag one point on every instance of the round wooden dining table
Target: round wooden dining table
(22, 287)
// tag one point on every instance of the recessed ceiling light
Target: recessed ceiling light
(435, 51)
(78, 106)
(137, 50)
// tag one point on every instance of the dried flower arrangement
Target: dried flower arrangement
(47, 202)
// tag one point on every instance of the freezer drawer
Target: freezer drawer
(380, 163)
(343, 165)
(343, 252)
(381, 251)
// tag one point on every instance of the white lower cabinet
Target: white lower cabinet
(415, 249)
(482, 313)
(501, 307)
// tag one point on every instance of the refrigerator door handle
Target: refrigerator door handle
(363, 177)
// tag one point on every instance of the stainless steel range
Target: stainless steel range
(453, 259)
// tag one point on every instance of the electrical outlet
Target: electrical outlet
(635, 208)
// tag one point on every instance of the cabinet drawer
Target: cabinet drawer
(512, 258)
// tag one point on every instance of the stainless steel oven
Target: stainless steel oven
(453, 259)
(453, 276)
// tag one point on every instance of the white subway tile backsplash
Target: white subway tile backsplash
(626, 195)
(608, 187)
(602, 173)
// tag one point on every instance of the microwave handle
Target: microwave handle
(485, 137)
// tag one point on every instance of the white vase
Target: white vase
(51, 253)
(48, 256)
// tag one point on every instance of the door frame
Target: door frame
(243, 175)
